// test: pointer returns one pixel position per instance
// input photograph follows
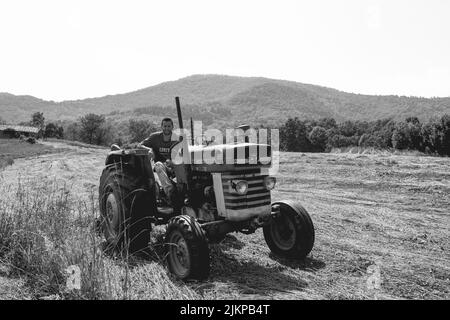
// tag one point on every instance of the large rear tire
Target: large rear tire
(126, 207)
(291, 234)
(187, 248)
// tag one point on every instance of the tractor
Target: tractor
(212, 200)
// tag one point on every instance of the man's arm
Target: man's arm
(148, 144)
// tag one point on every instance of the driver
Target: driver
(161, 143)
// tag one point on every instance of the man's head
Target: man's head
(167, 126)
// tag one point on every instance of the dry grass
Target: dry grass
(73, 143)
(378, 151)
(373, 209)
(47, 217)
(15, 148)
(389, 212)
(42, 234)
(44, 230)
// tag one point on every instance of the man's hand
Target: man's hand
(169, 164)
(169, 168)
(150, 150)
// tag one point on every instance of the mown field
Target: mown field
(11, 149)
(382, 232)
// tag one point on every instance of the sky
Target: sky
(75, 49)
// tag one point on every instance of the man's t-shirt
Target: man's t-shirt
(161, 148)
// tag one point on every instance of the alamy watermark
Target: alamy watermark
(230, 147)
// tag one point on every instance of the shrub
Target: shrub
(370, 140)
(340, 141)
(53, 131)
(318, 137)
(7, 161)
(140, 129)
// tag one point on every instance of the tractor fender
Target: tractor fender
(114, 156)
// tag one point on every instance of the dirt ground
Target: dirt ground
(382, 226)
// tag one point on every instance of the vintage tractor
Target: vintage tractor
(212, 200)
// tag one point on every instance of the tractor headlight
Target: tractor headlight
(269, 182)
(241, 187)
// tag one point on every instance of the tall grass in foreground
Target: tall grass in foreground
(41, 235)
(44, 230)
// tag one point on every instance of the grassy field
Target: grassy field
(382, 232)
(11, 149)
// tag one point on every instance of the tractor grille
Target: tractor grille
(257, 195)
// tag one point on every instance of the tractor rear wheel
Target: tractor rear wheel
(187, 248)
(125, 207)
(291, 234)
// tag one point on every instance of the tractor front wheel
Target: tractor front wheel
(187, 248)
(291, 233)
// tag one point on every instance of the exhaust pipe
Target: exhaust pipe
(180, 118)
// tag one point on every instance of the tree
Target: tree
(92, 129)
(50, 130)
(401, 136)
(408, 135)
(318, 137)
(385, 133)
(370, 140)
(139, 129)
(445, 135)
(38, 120)
(53, 131)
(347, 128)
(72, 131)
(380, 125)
(327, 123)
(415, 136)
(60, 132)
(2, 121)
(340, 141)
(293, 136)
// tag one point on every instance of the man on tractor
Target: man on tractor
(207, 201)
(161, 144)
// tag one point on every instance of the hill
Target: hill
(233, 100)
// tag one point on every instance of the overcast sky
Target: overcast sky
(75, 49)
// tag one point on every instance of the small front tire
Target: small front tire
(291, 234)
(187, 249)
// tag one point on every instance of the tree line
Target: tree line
(96, 129)
(432, 136)
(92, 129)
(46, 129)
